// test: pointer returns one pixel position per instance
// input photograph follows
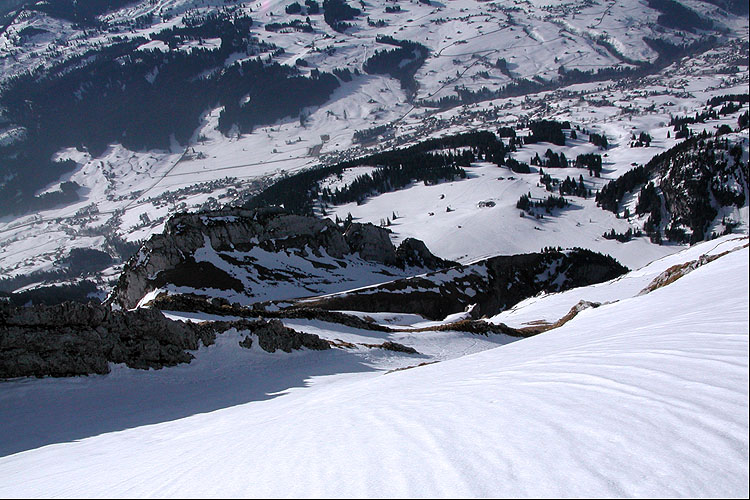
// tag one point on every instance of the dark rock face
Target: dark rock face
(170, 258)
(396, 347)
(80, 339)
(186, 271)
(372, 243)
(414, 252)
(76, 339)
(274, 335)
(493, 284)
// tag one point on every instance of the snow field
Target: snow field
(647, 396)
(470, 232)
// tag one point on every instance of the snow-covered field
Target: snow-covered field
(472, 230)
(644, 396)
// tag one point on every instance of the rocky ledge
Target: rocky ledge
(79, 339)
(221, 250)
(486, 287)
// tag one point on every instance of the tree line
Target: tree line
(431, 161)
(400, 63)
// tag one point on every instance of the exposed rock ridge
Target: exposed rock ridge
(679, 270)
(273, 335)
(270, 229)
(494, 285)
(78, 339)
(219, 307)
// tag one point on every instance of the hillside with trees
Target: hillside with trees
(431, 161)
(144, 98)
(690, 182)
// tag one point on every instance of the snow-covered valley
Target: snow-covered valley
(126, 195)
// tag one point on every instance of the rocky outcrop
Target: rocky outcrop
(76, 339)
(216, 249)
(493, 284)
(396, 347)
(413, 252)
(301, 311)
(274, 335)
(79, 339)
(219, 307)
(677, 271)
(372, 243)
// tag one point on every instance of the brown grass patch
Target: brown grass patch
(679, 270)
(410, 367)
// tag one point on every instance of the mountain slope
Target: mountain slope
(644, 396)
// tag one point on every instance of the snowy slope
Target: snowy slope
(551, 307)
(472, 230)
(129, 194)
(644, 396)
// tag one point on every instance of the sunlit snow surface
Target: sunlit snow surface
(647, 395)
